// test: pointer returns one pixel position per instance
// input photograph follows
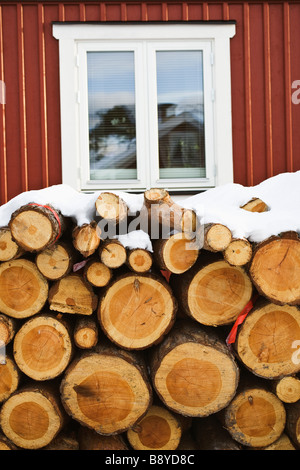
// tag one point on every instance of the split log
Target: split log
(137, 310)
(293, 423)
(32, 417)
(56, 261)
(111, 207)
(43, 347)
(255, 417)
(91, 440)
(86, 238)
(9, 249)
(238, 252)
(212, 292)
(97, 273)
(23, 289)
(265, 339)
(106, 390)
(216, 237)
(209, 434)
(72, 294)
(275, 269)
(10, 377)
(193, 372)
(139, 260)
(255, 205)
(164, 211)
(85, 333)
(35, 227)
(112, 253)
(159, 429)
(287, 389)
(8, 327)
(176, 254)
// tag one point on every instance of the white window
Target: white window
(145, 105)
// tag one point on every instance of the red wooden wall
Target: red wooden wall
(265, 62)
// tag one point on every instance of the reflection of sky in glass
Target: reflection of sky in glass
(110, 80)
(179, 77)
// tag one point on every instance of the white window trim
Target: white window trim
(72, 38)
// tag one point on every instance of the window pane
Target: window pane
(180, 114)
(111, 102)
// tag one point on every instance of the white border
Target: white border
(70, 36)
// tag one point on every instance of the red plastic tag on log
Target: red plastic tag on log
(247, 309)
(55, 215)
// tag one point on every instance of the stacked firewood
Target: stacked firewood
(191, 345)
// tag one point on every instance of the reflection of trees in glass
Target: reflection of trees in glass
(117, 122)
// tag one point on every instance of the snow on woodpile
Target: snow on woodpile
(222, 205)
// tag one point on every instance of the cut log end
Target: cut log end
(194, 374)
(111, 207)
(275, 269)
(158, 430)
(265, 340)
(31, 418)
(86, 239)
(9, 378)
(9, 249)
(176, 254)
(255, 417)
(216, 237)
(35, 227)
(55, 262)
(139, 260)
(97, 273)
(238, 252)
(106, 392)
(86, 333)
(113, 254)
(214, 294)
(136, 311)
(23, 289)
(43, 347)
(288, 389)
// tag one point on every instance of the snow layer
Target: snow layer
(222, 205)
(219, 205)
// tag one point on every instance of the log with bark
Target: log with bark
(193, 372)
(10, 377)
(106, 389)
(85, 332)
(287, 389)
(137, 310)
(212, 292)
(97, 273)
(216, 237)
(8, 328)
(35, 227)
(112, 208)
(293, 423)
(238, 252)
(139, 260)
(255, 205)
(164, 211)
(91, 440)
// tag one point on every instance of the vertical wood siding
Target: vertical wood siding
(265, 61)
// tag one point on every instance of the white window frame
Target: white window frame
(76, 39)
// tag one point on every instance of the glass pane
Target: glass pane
(111, 102)
(180, 114)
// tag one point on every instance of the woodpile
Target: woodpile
(191, 346)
